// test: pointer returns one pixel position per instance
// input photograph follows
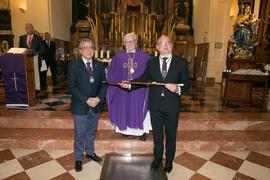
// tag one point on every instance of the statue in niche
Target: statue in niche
(181, 8)
(244, 38)
(85, 9)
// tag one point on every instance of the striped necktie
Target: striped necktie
(164, 67)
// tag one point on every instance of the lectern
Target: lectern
(19, 77)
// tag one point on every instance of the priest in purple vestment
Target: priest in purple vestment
(128, 110)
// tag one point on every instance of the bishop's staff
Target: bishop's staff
(141, 83)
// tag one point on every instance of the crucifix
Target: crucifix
(130, 65)
(15, 80)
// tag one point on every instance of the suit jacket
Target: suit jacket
(50, 52)
(81, 89)
(177, 73)
(36, 44)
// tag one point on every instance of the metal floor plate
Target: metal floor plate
(130, 167)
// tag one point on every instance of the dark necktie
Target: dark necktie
(164, 67)
(164, 74)
(88, 68)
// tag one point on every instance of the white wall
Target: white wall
(220, 10)
(201, 17)
(61, 18)
(54, 16)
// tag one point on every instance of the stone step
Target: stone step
(187, 121)
(109, 140)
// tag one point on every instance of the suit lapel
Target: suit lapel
(157, 67)
(171, 69)
(82, 66)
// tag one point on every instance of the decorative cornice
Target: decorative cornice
(4, 5)
(6, 32)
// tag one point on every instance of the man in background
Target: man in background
(32, 41)
(50, 55)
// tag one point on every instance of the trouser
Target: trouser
(84, 127)
(52, 67)
(43, 83)
(159, 119)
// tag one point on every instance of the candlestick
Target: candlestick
(101, 54)
(108, 54)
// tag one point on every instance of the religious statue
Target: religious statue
(244, 38)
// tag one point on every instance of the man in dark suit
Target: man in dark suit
(34, 42)
(50, 55)
(164, 101)
(31, 40)
(85, 82)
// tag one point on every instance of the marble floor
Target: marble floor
(39, 164)
(198, 99)
(17, 163)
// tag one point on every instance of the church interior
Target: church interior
(224, 124)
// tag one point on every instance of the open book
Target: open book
(16, 50)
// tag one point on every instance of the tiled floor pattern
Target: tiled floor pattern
(23, 164)
(197, 99)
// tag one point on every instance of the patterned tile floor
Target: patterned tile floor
(197, 99)
(37, 164)
(59, 164)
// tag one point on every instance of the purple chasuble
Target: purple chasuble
(127, 109)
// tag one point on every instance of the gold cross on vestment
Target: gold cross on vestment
(130, 65)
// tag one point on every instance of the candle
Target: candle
(122, 35)
(96, 54)
(119, 23)
(154, 27)
(195, 51)
(156, 53)
(101, 54)
(146, 26)
(149, 23)
(188, 58)
(108, 54)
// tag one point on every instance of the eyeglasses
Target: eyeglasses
(164, 43)
(129, 42)
(87, 48)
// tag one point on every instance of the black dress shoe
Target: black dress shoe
(168, 166)
(78, 166)
(155, 164)
(94, 157)
(143, 137)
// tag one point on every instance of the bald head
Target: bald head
(164, 45)
(29, 28)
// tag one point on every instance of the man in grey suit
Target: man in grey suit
(85, 82)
